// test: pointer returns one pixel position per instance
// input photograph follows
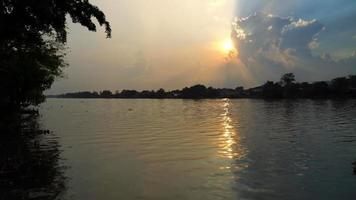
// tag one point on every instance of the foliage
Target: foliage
(352, 81)
(32, 42)
(197, 91)
(270, 90)
(340, 85)
(287, 79)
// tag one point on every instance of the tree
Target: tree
(129, 94)
(195, 92)
(290, 88)
(272, 90)
(320, 89)
(106, 94)
(287, 79)
(340, 85)
(32, 40)
(352, 80)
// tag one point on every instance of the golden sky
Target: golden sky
(172, 44)
(155, 44)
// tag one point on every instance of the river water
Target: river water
(204, 149)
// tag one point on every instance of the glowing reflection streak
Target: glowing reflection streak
(231, 145)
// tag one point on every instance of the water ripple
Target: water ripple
(205, 149)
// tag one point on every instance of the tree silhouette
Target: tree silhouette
(160, 93)
(287, 79)
(320, 88)
(106, 94)
(272, 90)
(32, 39)
(195, 92)
(352, 80)
(340, 85)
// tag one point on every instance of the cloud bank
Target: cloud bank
(270, 45)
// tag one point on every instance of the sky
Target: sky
(171, 44)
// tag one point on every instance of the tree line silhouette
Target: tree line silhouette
(287, 87)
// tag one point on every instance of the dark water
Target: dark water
(30, 165)
(208, 149)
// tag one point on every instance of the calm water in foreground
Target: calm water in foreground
(207, 149)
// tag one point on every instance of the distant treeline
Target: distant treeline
(287, 87)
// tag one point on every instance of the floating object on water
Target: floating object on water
(130, 109)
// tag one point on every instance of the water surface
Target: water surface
(205, 149)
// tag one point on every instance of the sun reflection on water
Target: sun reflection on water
(231, 145)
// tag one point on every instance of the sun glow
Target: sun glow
(227, 46)
(228, 49)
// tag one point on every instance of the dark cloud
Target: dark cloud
(271, 45)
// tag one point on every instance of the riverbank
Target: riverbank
(286, 88)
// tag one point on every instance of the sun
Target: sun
(227, 46)
(228, 49)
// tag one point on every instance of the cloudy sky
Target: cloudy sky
(223, 43)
